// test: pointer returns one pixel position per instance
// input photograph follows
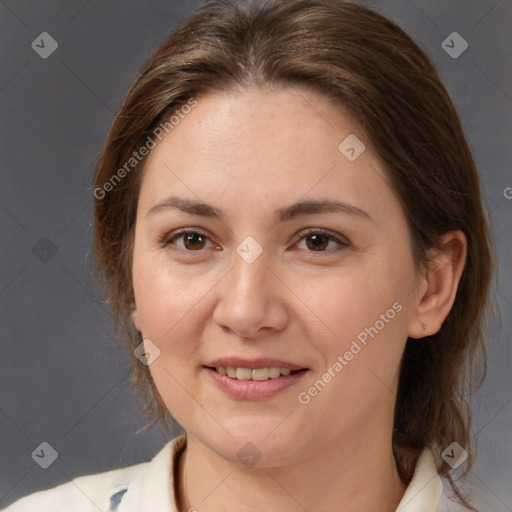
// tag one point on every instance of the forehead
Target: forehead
(255, 148)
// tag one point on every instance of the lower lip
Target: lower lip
(254, 389)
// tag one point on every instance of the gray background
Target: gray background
(62, 379)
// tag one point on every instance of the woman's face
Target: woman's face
(264, 279)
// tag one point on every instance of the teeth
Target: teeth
(274, 372)
(258, 374)
(243, 373)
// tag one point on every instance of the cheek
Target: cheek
(169, 305)
(347, 303)
(173, 309)
(165, 299)
(360, 361)
(364, 318)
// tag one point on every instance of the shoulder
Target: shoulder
(448, 501)
(101, 491)
(84, 493)
(428, 490)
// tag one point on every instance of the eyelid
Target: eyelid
(339, 239)
(166, 241)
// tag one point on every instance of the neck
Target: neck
(360, 475)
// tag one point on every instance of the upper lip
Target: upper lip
(260, 362)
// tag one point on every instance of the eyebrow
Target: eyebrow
(287, 213)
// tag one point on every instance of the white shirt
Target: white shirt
(149, 487)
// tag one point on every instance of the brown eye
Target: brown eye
(317, 242)
(321, 241)
(191, 241)
(194, 241)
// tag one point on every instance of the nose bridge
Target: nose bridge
(249, 276)
(249, 300)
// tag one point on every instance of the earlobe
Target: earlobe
(439, 285)
(136, 319)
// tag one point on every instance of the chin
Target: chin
(256, 442)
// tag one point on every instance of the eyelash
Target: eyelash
(167, 241)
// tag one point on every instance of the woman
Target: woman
(289, 223)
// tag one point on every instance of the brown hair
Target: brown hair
(366, 63)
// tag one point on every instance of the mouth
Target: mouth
(255, 374)
(253, 380)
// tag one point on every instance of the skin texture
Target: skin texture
(248, 154)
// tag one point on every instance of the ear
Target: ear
(136, 319)
(438, 286)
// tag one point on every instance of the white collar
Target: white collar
(425, 489)
(153, 488)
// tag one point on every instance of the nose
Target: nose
(251, 300)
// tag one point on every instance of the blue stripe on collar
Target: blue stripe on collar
(116, 498)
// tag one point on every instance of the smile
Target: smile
(243, 383)
(258, 374)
